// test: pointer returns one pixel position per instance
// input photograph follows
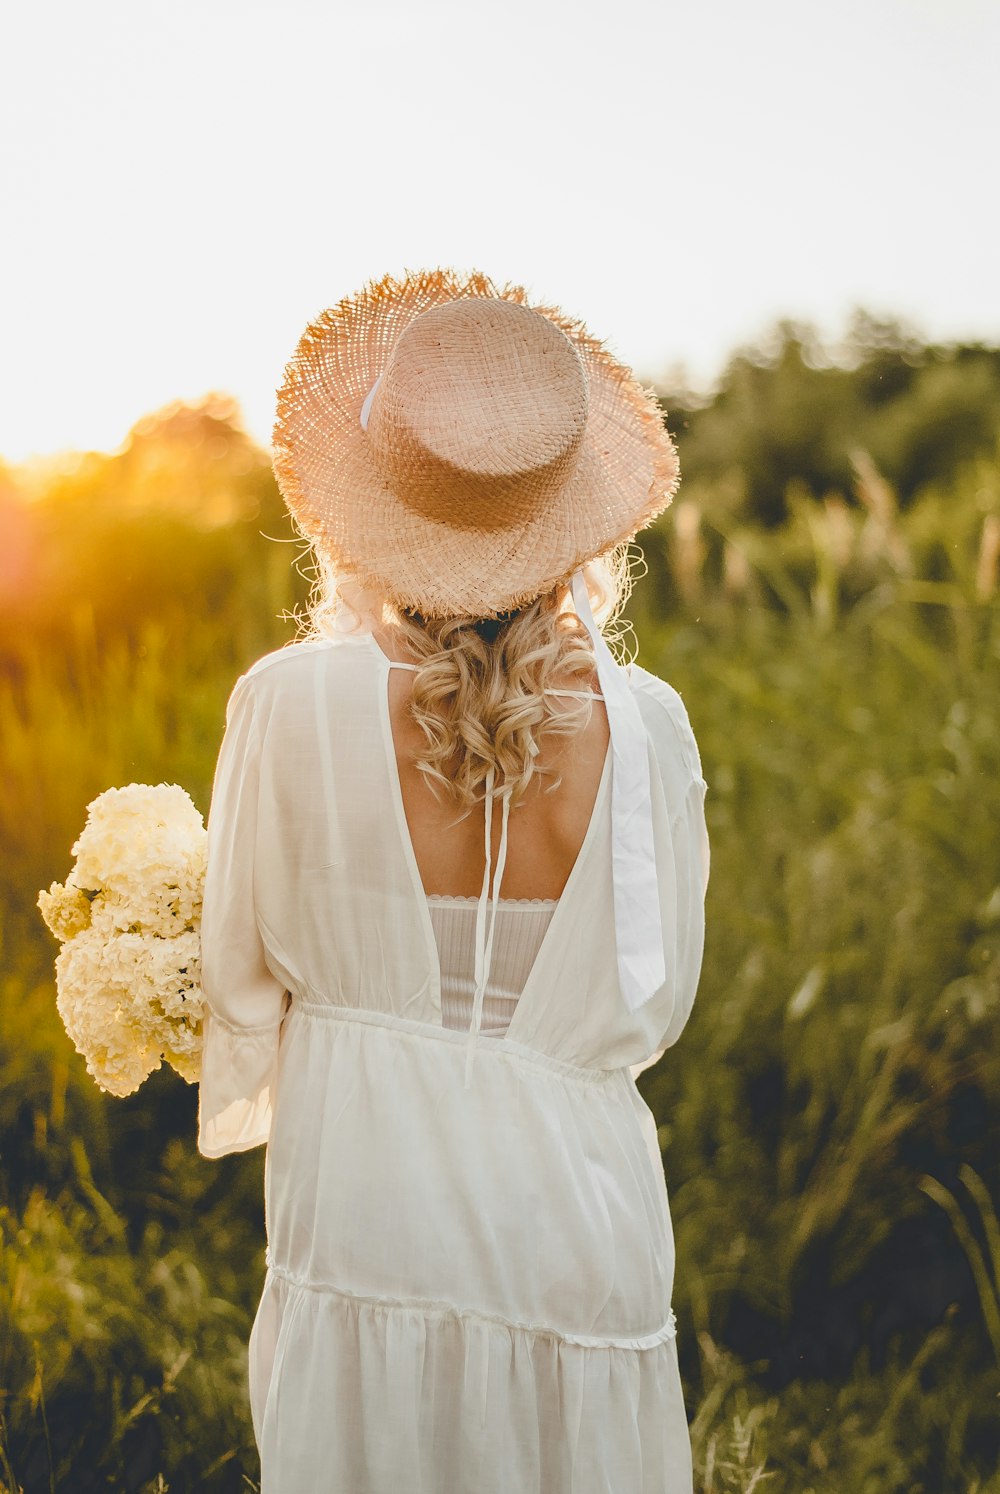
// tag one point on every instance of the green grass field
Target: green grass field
(830, 1120)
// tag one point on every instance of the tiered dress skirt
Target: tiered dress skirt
(466, 1289)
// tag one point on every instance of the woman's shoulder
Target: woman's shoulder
(282, 683)
(666, 715)
(297, 660)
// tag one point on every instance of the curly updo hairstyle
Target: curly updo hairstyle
(478, 690)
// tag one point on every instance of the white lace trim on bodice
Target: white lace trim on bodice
(505, 902)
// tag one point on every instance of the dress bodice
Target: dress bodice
(314, 903)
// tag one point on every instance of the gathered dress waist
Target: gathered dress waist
(435, 1032)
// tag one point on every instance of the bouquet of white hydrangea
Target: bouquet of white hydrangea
(128, 976)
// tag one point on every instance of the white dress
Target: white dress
(468, 1284)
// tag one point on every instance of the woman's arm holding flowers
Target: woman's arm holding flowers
(244, 1003)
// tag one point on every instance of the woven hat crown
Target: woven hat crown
(479, 417)
(461, 451)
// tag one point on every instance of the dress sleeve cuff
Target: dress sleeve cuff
(637, 1068)
(239, 1069)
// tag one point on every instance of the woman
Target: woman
(470, 1258)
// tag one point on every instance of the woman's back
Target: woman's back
(546, 830)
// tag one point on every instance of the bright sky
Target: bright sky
(185, 184)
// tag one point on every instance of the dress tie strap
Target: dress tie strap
(484, 942)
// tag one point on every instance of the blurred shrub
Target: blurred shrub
(791, 410)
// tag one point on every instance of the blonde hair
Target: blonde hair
(478, 689)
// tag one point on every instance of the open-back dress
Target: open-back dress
(469, 1267)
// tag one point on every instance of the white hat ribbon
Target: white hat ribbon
(638, 919)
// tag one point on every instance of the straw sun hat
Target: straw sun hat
(461, 451)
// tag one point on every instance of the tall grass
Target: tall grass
(830, 1123)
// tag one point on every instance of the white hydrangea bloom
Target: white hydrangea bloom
(136, 838)
(128, 977)
(93, 998)
(66, 909)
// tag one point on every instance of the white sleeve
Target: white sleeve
(692, 860)
(244, 1003)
